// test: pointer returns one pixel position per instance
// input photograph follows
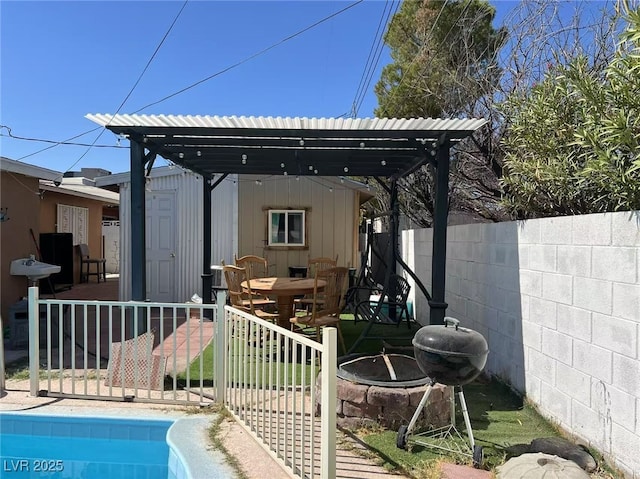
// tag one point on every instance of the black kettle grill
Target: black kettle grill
(453, 356)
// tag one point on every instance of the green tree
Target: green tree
(444, 61)
(573, 142)
(449, 61)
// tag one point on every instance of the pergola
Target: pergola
(386, 149)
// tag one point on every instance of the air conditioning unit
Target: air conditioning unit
(217, 277)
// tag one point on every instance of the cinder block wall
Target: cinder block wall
(558, 300)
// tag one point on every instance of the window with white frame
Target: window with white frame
(287, 227)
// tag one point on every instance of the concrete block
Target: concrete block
(574, 321)
(511, 302)
(508, 278)
(557, 287)
(506, 232)
(594, 229)
(525, 302)
(626, 301)
(510, 325)
(575, 383)
(523, 256)
(614, 264)
(543, 312)
(622, 408)
(626, 374)
(625, 228)
(504, 254)
(529, 231)
(618, 335)
(542, 366)
(556, 230)
(480, 252)
(574, 260)
(625, 446)
(468, 232)
(592, 294)
(557, 345)
(543, 257)
(557, 403)
(532, 387)
(587, 423)
(593, 360)
(532, 335)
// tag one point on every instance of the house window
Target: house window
(287, 227)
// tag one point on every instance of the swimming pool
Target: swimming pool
(61, 447)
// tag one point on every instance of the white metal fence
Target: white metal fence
(112, 350)
(278, 384)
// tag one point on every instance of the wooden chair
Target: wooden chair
(326, 312)
(87, 260)
(315, 265)
(257, 267)
(238, 297)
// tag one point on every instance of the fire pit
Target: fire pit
(385, 389)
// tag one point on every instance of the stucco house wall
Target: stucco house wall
(19, 192)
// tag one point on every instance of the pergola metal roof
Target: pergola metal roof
(212, 145)
(382, 147)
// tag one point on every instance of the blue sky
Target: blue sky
(62, 60)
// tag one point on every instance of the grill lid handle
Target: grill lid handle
(451, 321)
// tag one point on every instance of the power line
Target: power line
(54, 142)
(235, 65)
(374, 47)
(251, 57)
(134, 85)
(373, 66)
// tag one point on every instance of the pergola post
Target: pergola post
(138, 216)
(138, 228)
(206, 241)
(441, 211)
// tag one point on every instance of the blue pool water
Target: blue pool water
(61, 447)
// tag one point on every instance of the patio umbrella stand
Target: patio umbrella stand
(453, 356)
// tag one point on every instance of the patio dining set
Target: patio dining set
(308, 302)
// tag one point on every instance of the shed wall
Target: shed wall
(332, 219)
(189, 229)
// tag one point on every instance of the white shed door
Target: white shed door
(161, 246)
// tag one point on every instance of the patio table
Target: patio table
(285, 290)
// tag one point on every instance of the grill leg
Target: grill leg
(467, 421)
(423, 403)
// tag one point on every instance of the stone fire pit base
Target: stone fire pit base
(360, 405)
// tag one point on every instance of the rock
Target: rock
(558, 446)
(538, 466)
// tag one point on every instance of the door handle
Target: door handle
(172, 255)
